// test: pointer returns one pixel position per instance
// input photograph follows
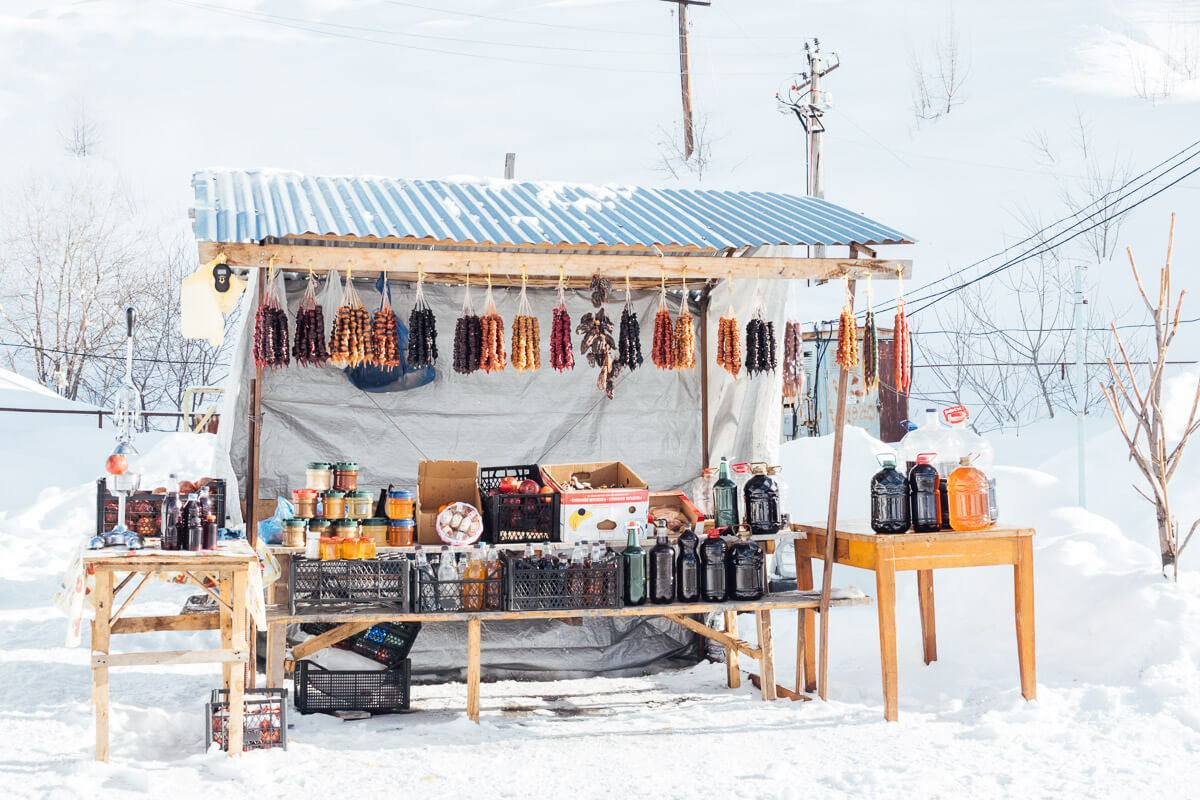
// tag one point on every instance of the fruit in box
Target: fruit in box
(529, 487)
(510, 484)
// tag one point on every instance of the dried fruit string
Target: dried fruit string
(760, 338)
(271, 325)
(526, 339)
(794, 378)
(870, 356)
(685, 332)
(309, 347)
(729, 353)
(350, 343)
(562, 356)
(629, 344)
(492, 357)
(662, 352)
(847, 345)
(468, 334)
(384, 342)
(422, 329)
(902, 340)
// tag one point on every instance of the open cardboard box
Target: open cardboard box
(678, 501)
(599, 514)
(439, 483)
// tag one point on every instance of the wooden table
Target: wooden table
(357, 620)
(228, 571)
(858, 546)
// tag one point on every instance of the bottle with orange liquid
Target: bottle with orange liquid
(474, 574)
(968, 490)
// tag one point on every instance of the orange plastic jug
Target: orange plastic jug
(968, 489)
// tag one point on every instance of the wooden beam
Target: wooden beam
(781, 691)
(104, 660)
(717, 636)
(178, 622)
(252, 454)
(328, 638)
(705, 299)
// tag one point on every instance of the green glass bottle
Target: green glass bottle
(725, 498)
(635, 567)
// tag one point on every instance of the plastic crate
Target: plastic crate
(370, 581)
(388, 642)
(535, 589)
(432, 595)
(143, 510)
(264, 723)
(518, 518)
(317, 689)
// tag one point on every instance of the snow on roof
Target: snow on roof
(17, 391)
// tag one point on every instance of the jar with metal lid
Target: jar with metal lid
(345, 476)
(293, 532)
(333, 504)
(346, 528)
(329, 548)
(318, 475)
(359, 505)
(400, 504)
(376, 528)
(401, 532)
(305, 502)
(366, 547)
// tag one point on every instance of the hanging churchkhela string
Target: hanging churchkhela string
(760, 338)
(526, 340)
(870, 357)
(309, 348)
(562, 356)
(847, 344)
(384, 343)
(468, 335)
(794, 378)
(729, 352)
(422, 329)
(685, 333)
(629, 344)
(492, 357)
(902, 342)
(271, 326)
(663, 351)
(350, 343)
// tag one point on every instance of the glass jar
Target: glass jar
(305, 502)
(348, 546)
(318, 476)
(323, 527)
(312, 545)
(333, 504)
(366, 547)
(400, 504)
(293, 532)
(344, 528)
(400, 532)
(329, 548)
(358, 504)
(375, 528)
(345, 476)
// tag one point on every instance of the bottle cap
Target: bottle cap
(926, 458)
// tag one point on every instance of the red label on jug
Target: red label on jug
(955, 414)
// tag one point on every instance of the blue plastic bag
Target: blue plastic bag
(270, 530)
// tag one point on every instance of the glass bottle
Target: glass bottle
(475, 573)
(662, 566)
(725, 498)
(169, 524)
(762, 501)
(493, 573)
(195, 526)
(208, 520)
(889, 498)
(712, 567)
(687, 568)
(744, 567)
(577, 582)
(529, 557)
(447, 574)
(924, 497)
(635, 567)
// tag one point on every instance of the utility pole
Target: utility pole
(1080, 383)
(685, 73)
(510, 165)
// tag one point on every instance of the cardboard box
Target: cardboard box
(678, 501)
(439, 483)
(599, 514)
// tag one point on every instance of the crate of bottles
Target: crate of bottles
(264, 723)
(388, 642)
(436, 592)
(369, 581)
(515, 518)
(379, 691)
(542, 584)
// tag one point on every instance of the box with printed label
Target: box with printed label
(618, 496)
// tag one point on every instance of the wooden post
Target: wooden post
(1023, 592)
(100, 643)
(928, 624)
(835, 480)
(704, 444)
(237, 682)
(732, 673)
(251, 515)
(885, 601)
(474, 629)
(766, 661)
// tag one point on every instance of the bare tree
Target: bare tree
(939, 74)
(82, 138)
(671, 158)
(1139, 406)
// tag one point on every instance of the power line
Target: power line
(107, 358)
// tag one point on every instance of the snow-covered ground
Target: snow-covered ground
(1118, 712)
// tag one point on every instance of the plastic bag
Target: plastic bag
(270, 530)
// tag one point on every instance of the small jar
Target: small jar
(318, 476)
(293, 532)
(400, 532)
(366, 547)
(329, 548)
(333, 504)
(323, 527)
(312, 545)
(347, 546)
(305, 502)
(376, 528)
(400, 503)
(345, 476)
(346, 528)
(358, 504)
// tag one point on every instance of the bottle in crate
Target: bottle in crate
(445, 596)
(493, 572)
(473, 587)
(662, 566)
(687, 568)
(635, 567)
(577, 584)
(169, 529)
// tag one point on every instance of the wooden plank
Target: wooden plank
(966, 553)
(781, 691)
(225, 609)
(328, 638)
(733, 675)
(100, 644)
(156, 561)
(806, 628)
(766, 662)
(860, 529)
(222, 603)
(226, 657)
(885, 587)
(928, 624)
(176, 622)
(237, 683)
(128, 599)
(705, 298)
(276, 654)
(730, 642)
(1023, 592)
(474, 636)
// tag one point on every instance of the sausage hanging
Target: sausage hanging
(902, 349)
(422, 330)
(468, 337)
(309, 348)
(729, 349)
(492, 357)
(526, 340)
(271, 327)
(562, 356)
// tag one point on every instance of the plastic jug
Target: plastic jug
(762, 501)
(744, 567)
(687, 568)
(927, 437)
(968, 498)
(889, 498)
(662, 566)
(924, 506)
(963, 442)
(712, 567)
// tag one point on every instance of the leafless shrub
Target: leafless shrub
(939, 73)
(672, 160)
(82, 138)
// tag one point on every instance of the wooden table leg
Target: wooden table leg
(766, 663)
(1023, 589)
(276, 652)
(238, 672)
(473, 646)
(225, 590)
(806, 633)
(252, 649)
(101, 632)
(885, 600)
(733, 675)
(928, 627)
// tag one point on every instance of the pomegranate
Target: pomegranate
(116, 464)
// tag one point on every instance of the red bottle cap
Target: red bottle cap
(714, 533)
(926, 458)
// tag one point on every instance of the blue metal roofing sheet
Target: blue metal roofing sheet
(251, 205)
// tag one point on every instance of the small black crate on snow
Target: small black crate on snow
(388, 642)
(379, 691)
(537, 589)
(264, 723)
(518, 518)
(432, 595)
(370, 581)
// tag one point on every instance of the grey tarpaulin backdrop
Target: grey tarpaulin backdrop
(653, 425)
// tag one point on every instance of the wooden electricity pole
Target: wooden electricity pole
(685, 73)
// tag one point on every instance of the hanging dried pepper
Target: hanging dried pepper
(793, 367)
(562, 356)
(271, 327)
(422, 330)
(600, 287)
(309, 348)
(870, 357)
(729, 353)
(468, 337)
(629, 343)
(492, 357)
(902, 349)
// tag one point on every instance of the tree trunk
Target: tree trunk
(1164, 540)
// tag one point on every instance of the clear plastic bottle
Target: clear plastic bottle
(448, 598)
(472, 592)
(889, 498)
(762, 501)
(712, 567)
(744, 563)
(923, 495)
(687, 568)
(927, 437)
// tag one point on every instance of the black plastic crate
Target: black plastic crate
(143, 510)
(370, 581)
(432, 595)
(518, 518)
(264, 723)
(536, 589)
(388, 642)
(379, 691)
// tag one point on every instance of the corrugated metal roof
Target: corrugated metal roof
(251, 205)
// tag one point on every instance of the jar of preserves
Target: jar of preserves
(345, 476)
(329, 549)
(348, 546)
(318, 476)
(400, 504)
(400, 532)
(366, 547)
(358, 504)
(305, 502)
(323, 527)
(346, 528)
(293, 532)
(333, 504)
(375, 528)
